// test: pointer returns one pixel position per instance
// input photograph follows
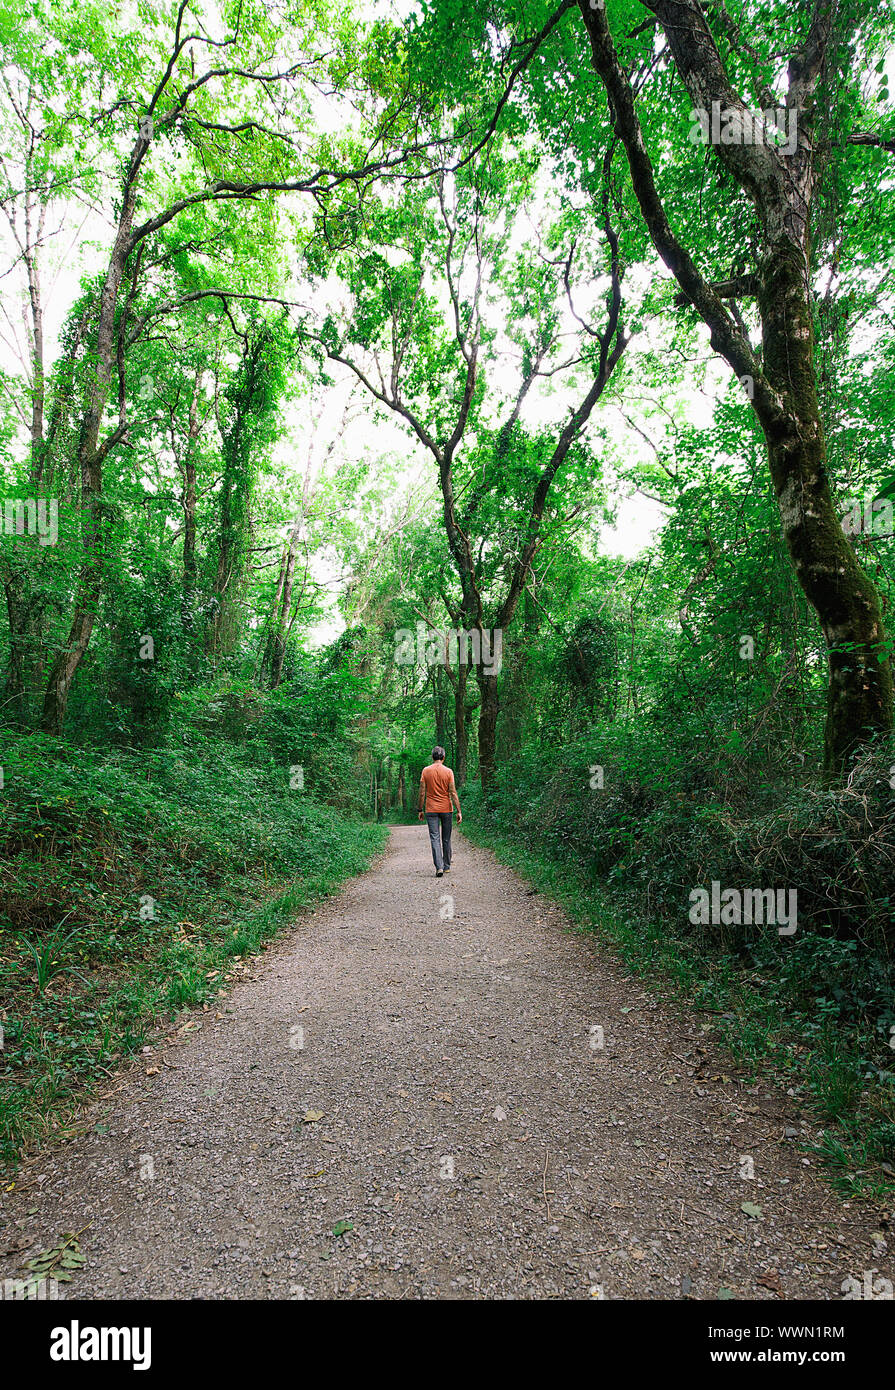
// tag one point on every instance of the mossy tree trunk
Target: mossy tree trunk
(780, 383)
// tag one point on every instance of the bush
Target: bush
(128, 880)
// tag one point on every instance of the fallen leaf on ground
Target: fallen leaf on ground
(59, 1263)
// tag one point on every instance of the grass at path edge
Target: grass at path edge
(79, 1027)
(762, 1022)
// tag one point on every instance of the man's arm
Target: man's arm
(455, 798)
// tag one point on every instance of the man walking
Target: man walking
(437, 792)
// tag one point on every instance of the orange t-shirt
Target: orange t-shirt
(436, 782)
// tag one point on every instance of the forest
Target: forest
(515, 376)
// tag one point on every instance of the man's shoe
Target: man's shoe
(447, 868)
(439, 873)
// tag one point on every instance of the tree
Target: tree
(253, 401)
(225, 118)
(495, 476)
(781, 381)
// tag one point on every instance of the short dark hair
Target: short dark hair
(437, 753)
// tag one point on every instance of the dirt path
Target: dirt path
(473, 1132)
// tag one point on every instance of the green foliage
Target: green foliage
(436, 232)
(162, 865)
(49, 957)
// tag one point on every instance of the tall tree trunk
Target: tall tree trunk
(190, 567)
(282, 606)
(254, 401)
(38, 384)
(461, 729)
(24, 608)
(91, 455)
(439, 704)
(487, 729)
(225, 564)
(859, 693)
(188, 503)
(781, 385)
(14, 693)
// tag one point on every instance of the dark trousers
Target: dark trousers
(440, 824)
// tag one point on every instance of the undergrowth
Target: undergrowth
(131, 882)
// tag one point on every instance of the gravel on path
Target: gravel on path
(435, 1088)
